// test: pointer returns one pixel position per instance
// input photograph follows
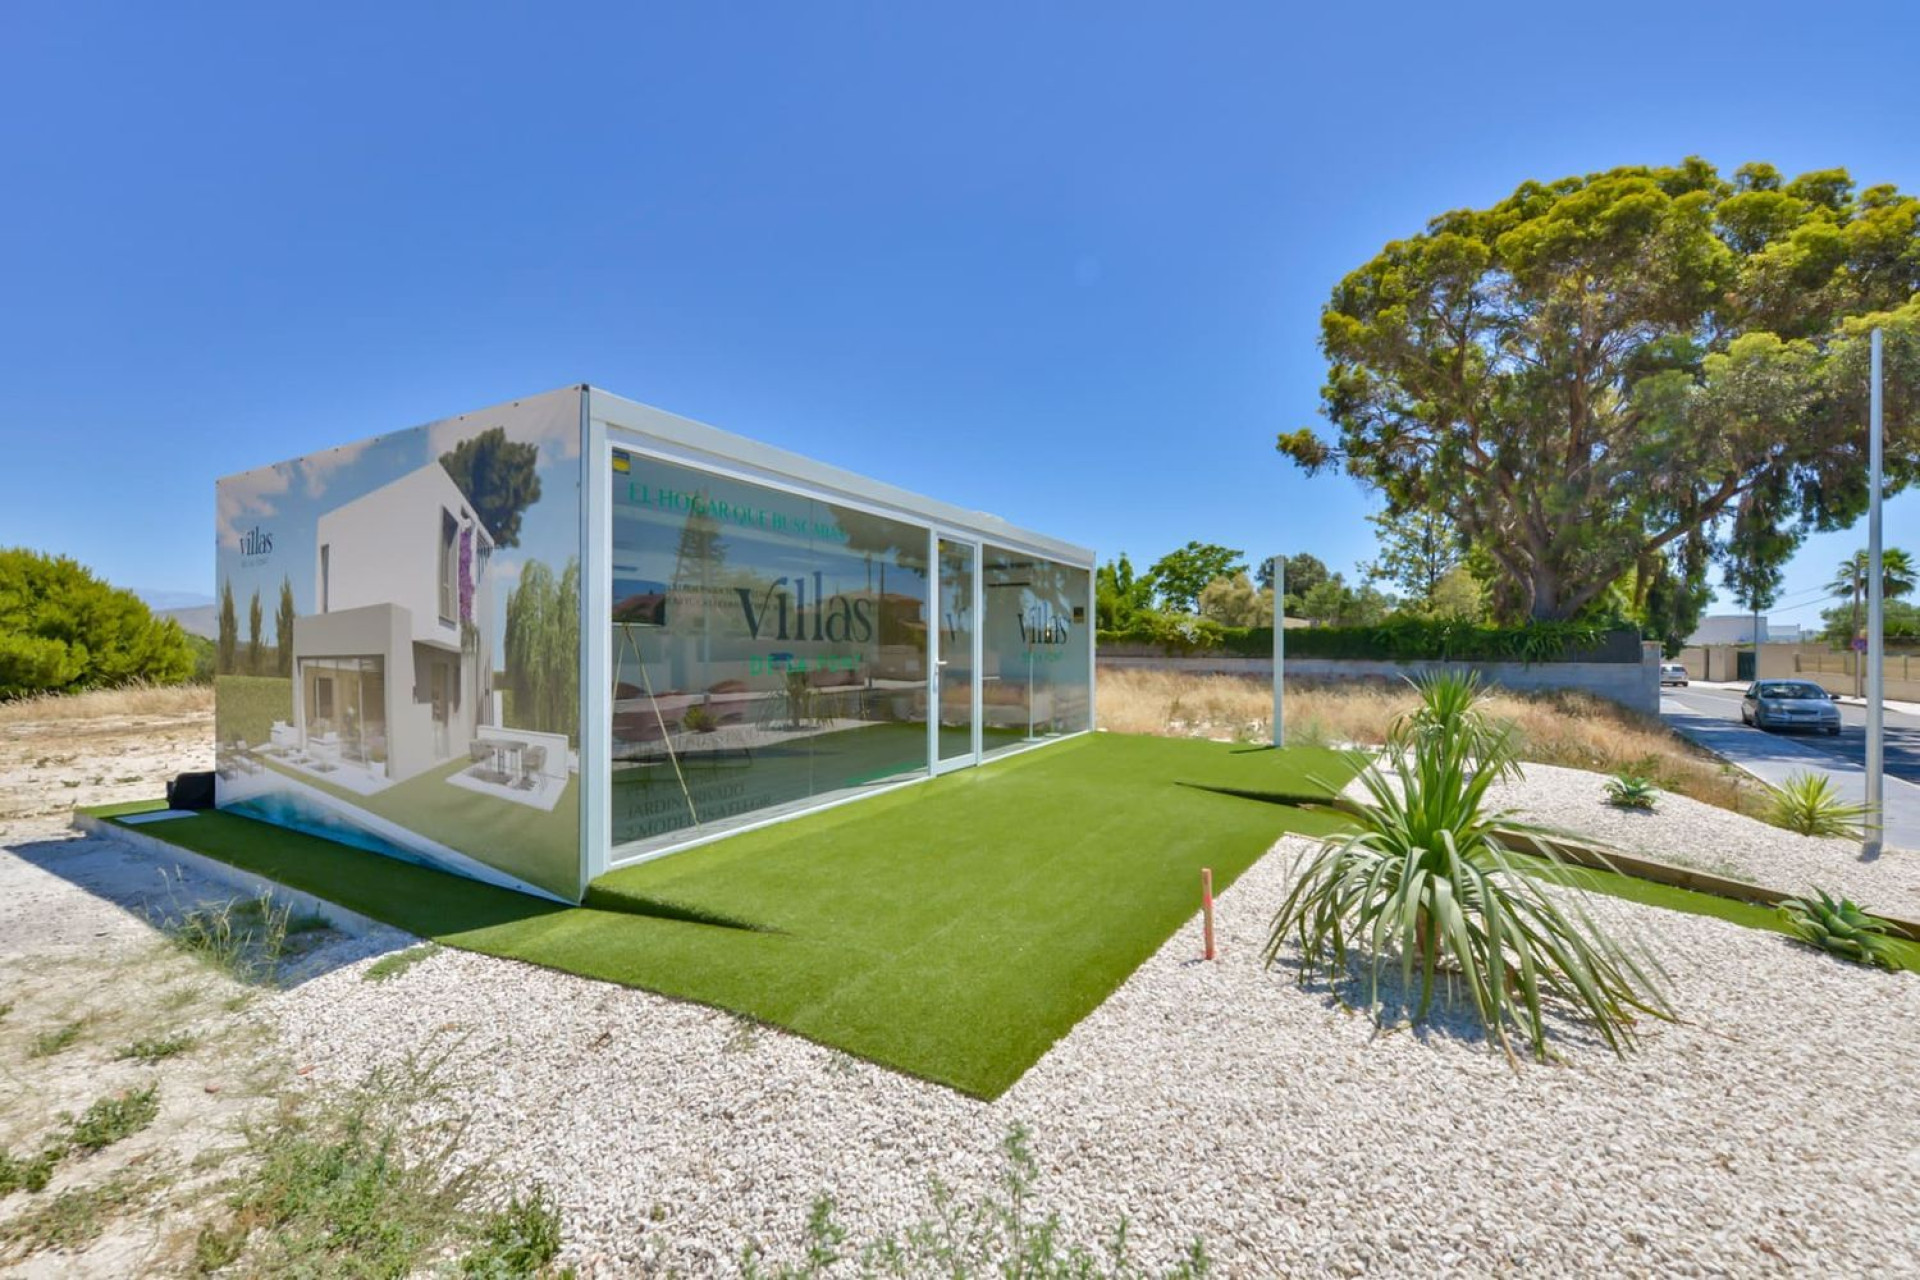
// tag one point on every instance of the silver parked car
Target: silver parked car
(1790, 704)
(1673, 673)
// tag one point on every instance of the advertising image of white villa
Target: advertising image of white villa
(392, 675)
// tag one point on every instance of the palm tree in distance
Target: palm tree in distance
(1896, 580)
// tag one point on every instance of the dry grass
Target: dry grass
(1576, 730)
(102, 704)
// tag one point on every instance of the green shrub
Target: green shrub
(63, 630)
(1429, 876)
(1808, 804)
(1840, 928)
(1399, 639)
(1631, 791)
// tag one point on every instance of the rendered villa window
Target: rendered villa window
(769, 649)
(326, 574)
(449, 584)
(346, 708)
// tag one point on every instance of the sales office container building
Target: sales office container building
(572, 632)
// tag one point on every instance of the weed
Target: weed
(517, 1240)
(999, 1234)
(48, 1043)
(352, 1183)
(395, 963)
(5, 1009)
(244, 938)
(131, 777)
(71, 783)
(28, 1174)
(73, 1218)
(153, 1049)
(217, 1246)
(112, 1119)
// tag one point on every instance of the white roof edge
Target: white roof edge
(727, 447)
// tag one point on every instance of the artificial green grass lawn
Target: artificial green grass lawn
(953, 929)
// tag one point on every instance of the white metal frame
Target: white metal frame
(611, 422)
(976, 656)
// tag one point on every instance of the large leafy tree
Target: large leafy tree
(63, 630)
(543, 649)
(1597, 369)
(1304, 572)
(1182, 575)
(1418, 549)
(500, 479)
(1120, 594)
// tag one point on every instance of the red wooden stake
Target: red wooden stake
(1206, 905)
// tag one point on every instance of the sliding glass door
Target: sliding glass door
(954, 736)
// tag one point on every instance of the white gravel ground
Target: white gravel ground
(1771, 1132)
(1706, 838)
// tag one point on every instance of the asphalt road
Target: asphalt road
(1902, 731)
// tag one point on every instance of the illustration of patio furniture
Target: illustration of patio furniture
(283, 736)
(533, 761)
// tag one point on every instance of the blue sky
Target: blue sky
(1062, 263)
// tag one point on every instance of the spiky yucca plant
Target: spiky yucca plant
(1807, 803)
(1429, 877)
(1451, 707)
(1837, 926)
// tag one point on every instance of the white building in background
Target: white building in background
(392, 671)
(1737, 628)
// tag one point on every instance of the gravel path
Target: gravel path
(1705, 838)
(1771, 1132)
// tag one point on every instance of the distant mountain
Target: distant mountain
(197, 620)
(167, 601)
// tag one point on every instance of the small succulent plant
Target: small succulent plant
(1839, 927)
(1631, 791)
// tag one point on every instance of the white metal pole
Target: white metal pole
(1876, 628)
(1279, 651)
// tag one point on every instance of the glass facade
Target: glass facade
(1037, 681)
(772, 650)
(768, 649)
